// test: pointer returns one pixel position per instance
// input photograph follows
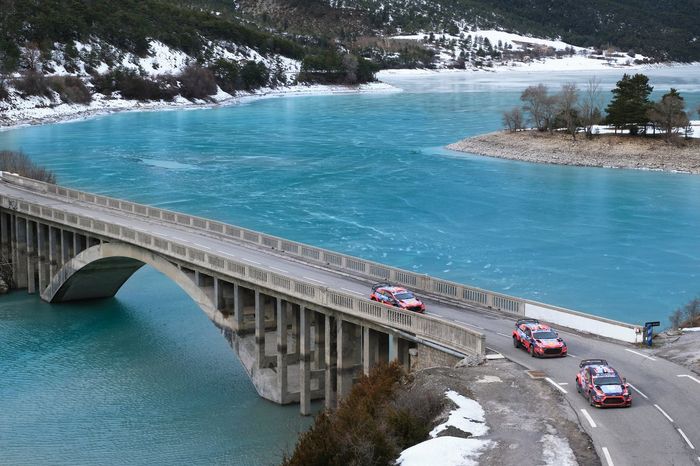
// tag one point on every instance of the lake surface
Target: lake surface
(145, 378)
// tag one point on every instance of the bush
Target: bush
(4, 91)
(254, 75)
(197, 83)
(18, 162)
(71, 89)
(369, 427)
(131, 85)
(33, 83)
(227, 75)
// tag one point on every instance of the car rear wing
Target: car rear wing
(593, 362)
(380, 285)
(526, 321)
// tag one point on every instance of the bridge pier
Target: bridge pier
(282, 334)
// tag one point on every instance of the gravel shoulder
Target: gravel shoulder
(609, 150)
(527, 418)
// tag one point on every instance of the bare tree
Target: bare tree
(31, 56)
(676, 318)
(534, 98)
(669, 114)
(567, 100)
(591, 105)
(513, 120)
(692, 311)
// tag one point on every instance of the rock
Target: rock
(470, 361)
(4, 288)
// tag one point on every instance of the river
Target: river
(144, 378)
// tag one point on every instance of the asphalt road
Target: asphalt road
(661, 428)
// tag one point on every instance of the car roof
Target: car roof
(393, 289)
(534, 326)
(598, 370)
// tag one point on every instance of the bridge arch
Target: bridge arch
(101, 270)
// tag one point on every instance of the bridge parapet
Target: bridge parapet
(447, 334)
(436, 287)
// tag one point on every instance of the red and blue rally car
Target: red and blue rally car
(397, 296)
(538, 339)
(602, 385)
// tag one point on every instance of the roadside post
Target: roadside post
(649, 331)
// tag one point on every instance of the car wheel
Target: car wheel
(516, 343)
(590, 399)
(578, 387)
(532, 350)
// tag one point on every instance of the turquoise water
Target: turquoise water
(145, 378)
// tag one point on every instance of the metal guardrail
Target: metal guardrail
(430, 328)
(452, 291)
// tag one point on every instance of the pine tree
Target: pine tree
(630, 103)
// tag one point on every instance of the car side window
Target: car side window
(528, 333)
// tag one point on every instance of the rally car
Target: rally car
(602, 385)
(538, 339)
(396, 296)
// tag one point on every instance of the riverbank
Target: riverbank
(606, 150)
(39, 111)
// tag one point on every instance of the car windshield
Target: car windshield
(607, 380)
(404, 295)
(547, 335)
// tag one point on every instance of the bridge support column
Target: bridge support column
(348, 355)
(5, 228)
(374, 348)
(67, 251)
(305, 361)
(54, 250)
(331, 362)
(238, 307)
(320, 340)
(259, 330)
(31, 257)
(21, 247)
(43, 256)
(282, 333)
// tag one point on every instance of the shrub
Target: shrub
(4, 91)
(228, 75)
(254, 75)
(33, 83)
(368, 427)
(197, 83)
(18, 162)
(71, 89)
(131, 85)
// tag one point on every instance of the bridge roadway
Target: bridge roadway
(661, 428)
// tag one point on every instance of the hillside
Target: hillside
(661, 30)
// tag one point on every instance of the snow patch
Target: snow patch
(444, 451)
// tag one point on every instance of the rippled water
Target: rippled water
(146, 378)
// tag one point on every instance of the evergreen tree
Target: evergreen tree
(630, 103)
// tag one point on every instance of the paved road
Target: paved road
(661, 428)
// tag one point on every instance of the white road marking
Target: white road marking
(353, 291)
(472, 325)
(314, 280)
(608, 459)
(556, 385)
(563, 383)
(664, 413)
(502, 334)
(640, 354)
(248, 260)
(573, 355)
(685, 437)
(588, 418)
(690, 377)
(279, 270)
(637, 390)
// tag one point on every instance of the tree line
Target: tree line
(575, 110)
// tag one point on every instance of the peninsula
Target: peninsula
(608, 150)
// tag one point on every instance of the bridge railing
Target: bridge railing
(444, 289)
(445, 333)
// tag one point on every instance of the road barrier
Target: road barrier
(350, 265)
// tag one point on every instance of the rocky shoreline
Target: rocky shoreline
(607, 150)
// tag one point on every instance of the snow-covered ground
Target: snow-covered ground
(469, 417)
